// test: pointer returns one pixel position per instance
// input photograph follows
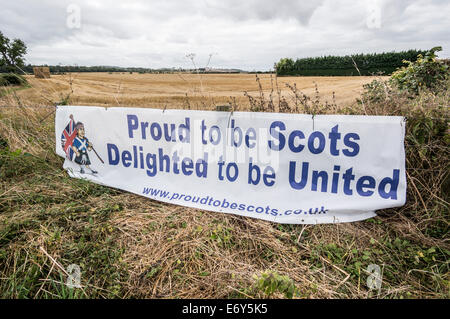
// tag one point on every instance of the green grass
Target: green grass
(58, 214)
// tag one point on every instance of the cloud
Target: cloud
(261, 10)
(246, 34)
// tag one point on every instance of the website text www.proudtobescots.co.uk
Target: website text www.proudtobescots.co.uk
(226, 204)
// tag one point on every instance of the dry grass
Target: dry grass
(130, 246)
(171, 90)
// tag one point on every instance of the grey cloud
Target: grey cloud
(247, 34)
(262, 10)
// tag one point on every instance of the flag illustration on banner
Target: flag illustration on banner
(67, 137)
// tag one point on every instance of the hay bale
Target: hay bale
(41, 72)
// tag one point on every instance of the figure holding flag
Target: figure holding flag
(76, 145)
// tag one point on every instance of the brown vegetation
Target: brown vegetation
(171, 90)
(130, 246)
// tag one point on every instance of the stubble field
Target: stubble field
(177, 90)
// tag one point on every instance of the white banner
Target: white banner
(285, 168)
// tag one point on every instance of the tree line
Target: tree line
(61, 69)
(364, 64)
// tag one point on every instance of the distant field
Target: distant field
(174, 90)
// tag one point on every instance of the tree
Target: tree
(12, 53)
(285, 66)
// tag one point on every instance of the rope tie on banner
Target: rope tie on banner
(229, 118)
(55, 106)
(228, 125)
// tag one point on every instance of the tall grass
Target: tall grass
(129, 246)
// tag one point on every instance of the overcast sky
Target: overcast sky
(245, 34)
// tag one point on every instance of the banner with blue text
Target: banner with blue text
(284, 168)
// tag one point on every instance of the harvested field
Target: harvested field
(174, 90)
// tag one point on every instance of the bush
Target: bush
(271, 282)
(425, 72)
(376, 91)
(12, 79)
(427, 138)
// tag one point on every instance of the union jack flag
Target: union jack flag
(67, 137)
